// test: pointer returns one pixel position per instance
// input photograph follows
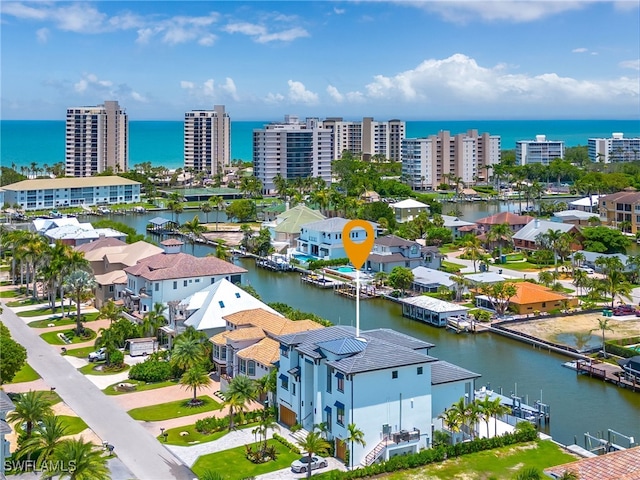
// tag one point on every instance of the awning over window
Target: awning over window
(283, 377)
(295, 371)
(339, 405)
(339, 375)
(327, 409)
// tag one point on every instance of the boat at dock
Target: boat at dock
(538, 413)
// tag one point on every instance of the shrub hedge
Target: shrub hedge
(151, 371)
(618, 347)
(286, 443)
(316, 264)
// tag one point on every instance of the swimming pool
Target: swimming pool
(345, 269)
(303, 258)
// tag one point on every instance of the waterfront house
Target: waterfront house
(6, 405)
(331, 376)
(531, 298)
(432, 310)
(80, 234)
(621, 210)
(392, 251)
(173, 276)
(576, 217)
(590, 259)
(586, 204)
(429, 280)
(108, 257)
(286, 226)
(248, 347)
(457, 227)
(409, 209)
(484, 278)
(631, 367)
(52, 193)
(516, 222)
(526, 238)
(323, 238)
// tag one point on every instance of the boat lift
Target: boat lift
(603, 446)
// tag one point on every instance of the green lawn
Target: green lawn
(220, 462)
(81, 352)
(499, 464)
(519, 266)
(448, 248)
(25, 374)
(22, 303)
(73, 425)
(87, 317)
(452, 267)
(53, 339)
(179, 408)
(9, 293)
(89, 369)
(174, 437)
(140, 386)
(37, 312)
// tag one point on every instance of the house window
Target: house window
(111, 288)
(237, 295)
(340, 378)
(339, 413)
(284, 351)
(197, 280)
(175, 285)
(221, 303)
(394, 374)
(329, 379)
(251, 368)
(156, 286)
(544, 304)
(419, 370)
(284, 381)
(216, 351)
(243, 366)
(184, 284)
(293, 389)
(223, 353)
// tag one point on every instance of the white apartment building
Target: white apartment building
(292, 149)
(539, 150)
(427, 161)
(207, 140)
(97, 138)
(43, 193)
(368, 137)
(614, 149)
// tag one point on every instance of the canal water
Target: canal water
(578, 404)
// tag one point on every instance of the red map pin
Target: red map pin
(358, 252)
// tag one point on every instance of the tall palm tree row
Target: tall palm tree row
(463, 415)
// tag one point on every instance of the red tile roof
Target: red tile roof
(528, 292)
(164, 266)
(621, 465)
(505, 217)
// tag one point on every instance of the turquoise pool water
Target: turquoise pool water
(346, 269)
(303, 258)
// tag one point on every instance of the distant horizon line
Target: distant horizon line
(349, 119)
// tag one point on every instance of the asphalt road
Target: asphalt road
(141, 453)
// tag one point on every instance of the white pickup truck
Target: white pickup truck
(99, 355)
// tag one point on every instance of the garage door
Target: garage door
(288, 417)
(341, 449)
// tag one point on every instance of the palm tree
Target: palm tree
(80, 284)
(633, 264)
(110, 311)
(205, 207)
(460, 283)
(217, 203)
(529, 473)
(568, 475)
(313, 443)
(46, 438)
(187, 353)
(472, 249)
(380, 277)
(33, 252)
(615, 284)
(239, 393)
(266, 422)
(154, 320)
(500, 235)
(354, 435)
(31, 407)
(88, 461)
(194, 229)
(498, 409)
(486, 406)
(603, 324)
(110, 340)
(452, 420)
(195, 378)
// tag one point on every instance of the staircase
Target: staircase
(374, 454)
(299, 436)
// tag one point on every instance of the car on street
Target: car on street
(303, 464)
(99, 355)
(587, 270)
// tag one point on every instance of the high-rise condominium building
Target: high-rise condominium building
(367, 137)
(429, 161)
(292, 149)
(97, 138)
(539, 150)
(207, 140)
(614, 149)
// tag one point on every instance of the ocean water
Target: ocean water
(161, 142)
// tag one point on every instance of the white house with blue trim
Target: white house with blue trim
(380, 381)
(323, 239)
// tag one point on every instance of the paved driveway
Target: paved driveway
(138, 450)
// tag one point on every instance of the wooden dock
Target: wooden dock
(319, 282)
(608, 373)
(349, 291)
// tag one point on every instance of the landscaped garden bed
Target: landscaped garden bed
(179, 408)
(55, 338)
(138, 385)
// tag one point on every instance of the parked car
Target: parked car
(302, 464)
(624, 310)
(99, 355)
(587, 270)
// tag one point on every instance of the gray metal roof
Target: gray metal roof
(398, 338)
(531, 230)
(394, 241)
(159, 221)
(6, 404)
(4, 428)
(430, 276)
(445, 372)
(343, 346)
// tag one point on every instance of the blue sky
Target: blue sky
(412, 60)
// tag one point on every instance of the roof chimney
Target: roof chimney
(171, 246)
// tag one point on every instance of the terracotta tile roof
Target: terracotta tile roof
(505, 217)
(246, 333)
(266, 351)
(626, 196)
(269, 322)
(528, 292)
(171, 241)
(165, 266)
(621, 465)
(220, 338)
(100, 243)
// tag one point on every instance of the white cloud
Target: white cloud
(512, 10)
(580, 50)
(207, 40)
(299, 94)
(42, 34)
(209, 90)
(632, 64)
(138, 97)
(274, 98)
(338, 11)
(335, 94)
(91, 85)
(260, 33)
